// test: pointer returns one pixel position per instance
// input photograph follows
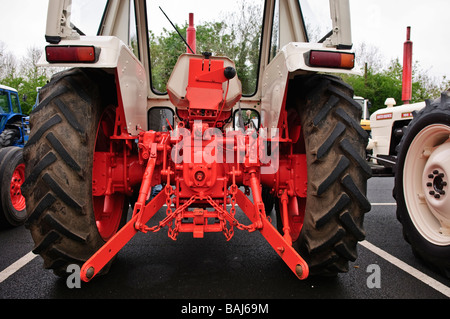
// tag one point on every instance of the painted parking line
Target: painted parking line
(407, 268)
(4, 274)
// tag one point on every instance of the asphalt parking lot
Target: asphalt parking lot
(152, 266)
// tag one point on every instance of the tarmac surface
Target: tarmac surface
(191, 272)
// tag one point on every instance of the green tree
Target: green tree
(378, 84)
(25, 76)
(236, 36)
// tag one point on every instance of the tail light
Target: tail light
(72, 54)
(328, 59)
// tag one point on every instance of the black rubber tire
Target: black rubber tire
(335, 144)
(438, 257)
(10, 158)
(59, 160)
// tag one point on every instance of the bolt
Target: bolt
(199, 176)
(299, 271)
(431, 176)
(437, 196)
(429, 184)
(435, 172)
(90, 272)
(432, 193)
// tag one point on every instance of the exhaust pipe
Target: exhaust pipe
(407, 68)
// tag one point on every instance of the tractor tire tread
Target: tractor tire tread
(59, 157)
(337, 172)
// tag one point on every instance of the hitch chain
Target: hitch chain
(177, 215)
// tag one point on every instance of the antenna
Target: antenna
(177, 31)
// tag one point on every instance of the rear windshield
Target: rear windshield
(316, 14)
(224, 28)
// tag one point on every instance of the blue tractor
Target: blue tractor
(14, 126)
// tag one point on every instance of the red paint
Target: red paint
(407, 68)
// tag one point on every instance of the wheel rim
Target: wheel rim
(17, 199)
(425, 177)
(107, 208)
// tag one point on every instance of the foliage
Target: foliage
(238, 39)
(25, 76)
(380, 83)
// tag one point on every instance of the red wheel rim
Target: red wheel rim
(17, 199)
(107, 208)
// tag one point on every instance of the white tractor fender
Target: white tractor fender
(287, 63)
(115, 56)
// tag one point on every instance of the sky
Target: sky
(378, 23)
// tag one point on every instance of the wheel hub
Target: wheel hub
(435, 185)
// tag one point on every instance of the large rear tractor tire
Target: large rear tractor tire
(422, 177)
(334, 144)
(74, 119)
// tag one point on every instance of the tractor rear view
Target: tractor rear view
(102, 137)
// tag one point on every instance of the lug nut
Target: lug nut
(437, 196)
(432, 193)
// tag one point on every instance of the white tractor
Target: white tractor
(414, 139)
(387, 128)
(421, 187)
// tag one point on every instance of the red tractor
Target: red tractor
(94, 150)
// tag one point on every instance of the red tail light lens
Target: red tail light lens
(327, 59)
(72, 54)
